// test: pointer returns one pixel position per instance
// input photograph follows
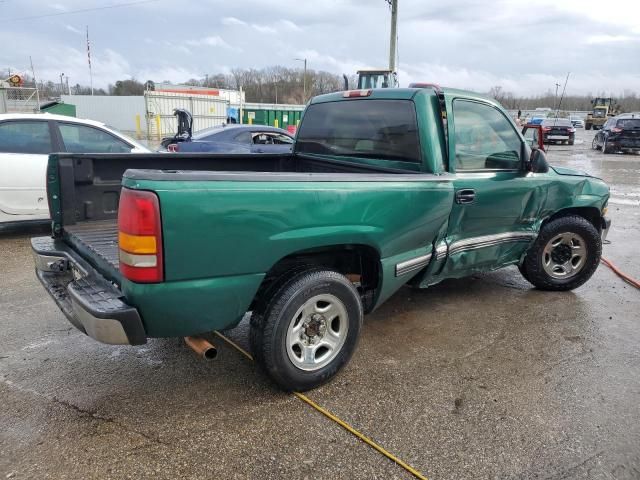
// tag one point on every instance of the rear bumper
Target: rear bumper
(89, 301)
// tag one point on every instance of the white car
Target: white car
(577, 122)
(26, 140)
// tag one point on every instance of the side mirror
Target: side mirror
(537, 162)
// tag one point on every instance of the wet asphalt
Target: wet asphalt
(483, 377)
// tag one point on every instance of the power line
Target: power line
(83, 10)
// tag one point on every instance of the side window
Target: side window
(25, 137)
(279, 139)
(243, 137)
(484, 138)
(85, 139)
(261, 138)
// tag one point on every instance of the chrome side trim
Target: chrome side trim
(412, 265)
(489, 241)
(441, 251)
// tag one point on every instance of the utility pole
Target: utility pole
(35, 82)
(556, 98)
(394, 35)
(61, 84)
(304, 79)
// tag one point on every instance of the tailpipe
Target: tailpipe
(202, 347)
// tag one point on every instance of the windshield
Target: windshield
(373, 80)
(628, 123)
(599, 112)
(381, 129)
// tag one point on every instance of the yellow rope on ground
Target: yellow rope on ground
(331, 416)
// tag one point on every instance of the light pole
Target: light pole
(304, 79)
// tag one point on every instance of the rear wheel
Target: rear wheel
(594, 144)
(606, 148)
(587, 126)
(564, 256)
(309, 330)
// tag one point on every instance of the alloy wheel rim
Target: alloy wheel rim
(564, 256)
(317, 332)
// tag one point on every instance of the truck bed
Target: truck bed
(98, 241)
(84, 202)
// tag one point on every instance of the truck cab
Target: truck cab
(377, 78)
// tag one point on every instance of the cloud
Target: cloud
(593, 39)
(233, 21)
(263, 28)
(74, 29)
(210, 41)
(288, 24)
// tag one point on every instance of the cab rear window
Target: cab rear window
(379, 129)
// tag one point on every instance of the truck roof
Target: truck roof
(402, 94)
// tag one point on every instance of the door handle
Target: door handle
(466, 196)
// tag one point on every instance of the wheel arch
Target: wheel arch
(591, 214)
(358, 262)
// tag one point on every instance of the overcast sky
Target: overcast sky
(524, 46)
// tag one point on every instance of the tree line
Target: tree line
(278, 84)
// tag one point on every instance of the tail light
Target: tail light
(172, 147)
(546, 129)
(616, 130)
(572, 130)
(140, 236)
(356, 93)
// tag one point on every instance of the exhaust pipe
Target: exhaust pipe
(202, 347)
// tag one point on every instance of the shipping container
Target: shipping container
(280, 115)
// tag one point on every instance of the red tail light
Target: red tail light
(546, 129)
(140, 236)
(616, 130)
(356, 93)
(172, 147)
(572, 130)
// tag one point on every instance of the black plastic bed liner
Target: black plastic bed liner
(98, 243)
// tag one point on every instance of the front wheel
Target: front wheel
(564, 256)
(594, 144)
(309, 329)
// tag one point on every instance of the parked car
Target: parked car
(227, 138)
(619, 134)
(558, 130)
(577, 122)
(384, 187)
(26, 140)
(536, 119)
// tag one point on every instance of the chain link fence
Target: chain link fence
(18, 100)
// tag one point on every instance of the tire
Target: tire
(571, 142)
(594, 144)
(296, 321)
(606, 149)
(587, 126)
(579, 244)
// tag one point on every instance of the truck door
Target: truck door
(496, 201)
(24, 149)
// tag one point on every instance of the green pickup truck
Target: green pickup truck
(383, 188)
